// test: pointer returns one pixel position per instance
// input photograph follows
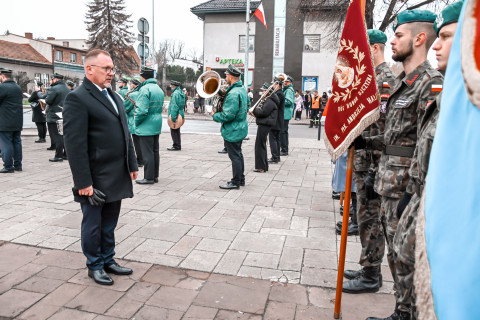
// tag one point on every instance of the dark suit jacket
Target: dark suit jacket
(98, 144)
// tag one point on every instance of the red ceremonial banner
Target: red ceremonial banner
(354, 102)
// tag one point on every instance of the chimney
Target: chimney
(50, 38)
(29, 35)
(66, 43)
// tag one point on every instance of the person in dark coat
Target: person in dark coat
(37, 115)
(55, 98)
(274, 135)
(11, 122)
(266, 117)
(101, 157)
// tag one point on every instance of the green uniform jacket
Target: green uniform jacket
(122, 91)
(289, 102)
(148, 112)
(176, 104)
(129, 110)
(234, 114)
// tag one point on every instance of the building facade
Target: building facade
(292, 43)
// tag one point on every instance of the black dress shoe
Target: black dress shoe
(6, 171)
(229, 186)
(223, 151)
(40, 141)
(51, 148)
(145, 181)
(56, 160)
(155, 180)
(174, 149)
(100, 277)
(284, 153)
(271, 160)
(242, 183)
(336, 195)
(259, 170)
(17, 169)
(116, 269)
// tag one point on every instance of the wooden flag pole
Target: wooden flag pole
(343, 243)
(346, 214)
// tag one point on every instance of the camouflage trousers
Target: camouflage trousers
(389, 221)
(372, 237)
(404, 257)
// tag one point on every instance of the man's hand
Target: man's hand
(134, 175)
(88, 191)
(360, 143)
(213, 112)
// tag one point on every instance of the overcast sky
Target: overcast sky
(65, 19)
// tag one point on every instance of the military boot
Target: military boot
(397, 315)
(369, 281)
(352, 274)
(352, 228)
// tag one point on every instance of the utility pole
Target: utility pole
(153, 25)
(247, 44)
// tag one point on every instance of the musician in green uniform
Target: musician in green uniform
(233, 118)
(175, 109)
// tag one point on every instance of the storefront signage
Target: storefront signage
(229, 61)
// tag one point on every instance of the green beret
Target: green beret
(175, 83)
(448, 15)
(58, 76)
(409, 16)
(376, 36)
(135, 81)
(233, 71)
(5, 70)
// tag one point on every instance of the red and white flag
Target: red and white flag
(260, 14)
(354, 101)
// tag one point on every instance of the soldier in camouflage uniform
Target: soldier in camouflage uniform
(404, 240)
(365, 165)
(414, 35)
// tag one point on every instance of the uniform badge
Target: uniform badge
(395, 23)
(402, 103)
(383, 107)
(439, 20)
(470, 50)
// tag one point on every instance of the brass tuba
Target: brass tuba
(209, 85)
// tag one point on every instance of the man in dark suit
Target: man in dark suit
(101, 158)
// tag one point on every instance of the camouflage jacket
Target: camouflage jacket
(369, 158)
(405, 108)
(418, 169)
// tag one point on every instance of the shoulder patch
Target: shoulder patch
(386, 85)
(437, 87)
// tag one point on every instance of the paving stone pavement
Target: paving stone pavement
(247, 248)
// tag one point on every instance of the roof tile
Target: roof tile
(17, 51)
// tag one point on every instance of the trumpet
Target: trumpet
(209, 85)
(263, 98)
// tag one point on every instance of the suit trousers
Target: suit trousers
(177, 142)
(41, 129)
(98, 239)
(151, 156)
(138, 148)
(274, 140)
(261, 155)
(234, 150)
(57, 139)
(11, 146)
(284, 137)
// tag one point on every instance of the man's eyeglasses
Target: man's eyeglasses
(107, 69)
